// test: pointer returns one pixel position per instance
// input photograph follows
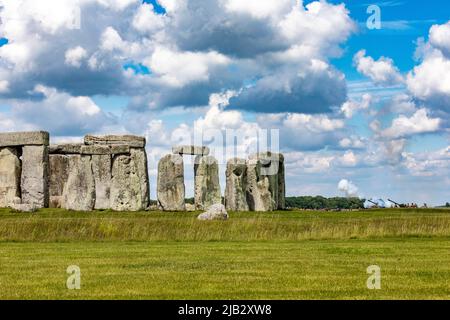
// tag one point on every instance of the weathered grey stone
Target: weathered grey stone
(271, 169)
(10, 169)
(139, 157)
(24, 207)
(100, 149)
(79, 191)
(34, 178)
(207, 186)
(281, 185)
(96, 149)
(191, 150)
(130, 186)
(58, 175)
(69, 148)
(101, 168)
(190, 207)
(214, 212)
(259, 197)
(132, 141)
(171, 189)
(236, 179)
(13, 139)
(120, 149)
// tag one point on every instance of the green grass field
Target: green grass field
(280, 255)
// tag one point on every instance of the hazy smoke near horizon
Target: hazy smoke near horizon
(350, 189)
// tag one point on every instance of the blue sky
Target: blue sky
(368, 106)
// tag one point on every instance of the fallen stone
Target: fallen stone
(215, 212)
(236, 179)
(70, 148)
(207, 185)
(24, 207)
(10, 170)
(34, 178)
(101, 168)
(13, 139)
(132, 141)
(190, 207)
(171, 189)
(191, 150)
(79, 191)
(58, 175)
(129, 184)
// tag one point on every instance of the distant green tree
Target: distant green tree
(321, 203)
(447, 204)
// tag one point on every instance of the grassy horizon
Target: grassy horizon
(50, 225)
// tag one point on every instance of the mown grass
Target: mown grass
(325, 269)
(56, 225)
(280, 255)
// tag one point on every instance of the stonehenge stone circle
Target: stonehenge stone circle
(111, 172)
(171, 189)
(207, 185)
(24, 169)
(236, 179)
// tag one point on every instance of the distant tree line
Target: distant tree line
(321, 203)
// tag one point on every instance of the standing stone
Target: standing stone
(281, 185)
(59, 173)
(171, 189)
(79, 191)
(270, 167)
(34, 180)
(207, 186)
(101, 168)
(10, 169)
(129, 184)
(259, 197)
(235, 196)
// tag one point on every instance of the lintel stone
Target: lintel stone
(13, 139)
(132, 141)
(69, 148)
(191, 150)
